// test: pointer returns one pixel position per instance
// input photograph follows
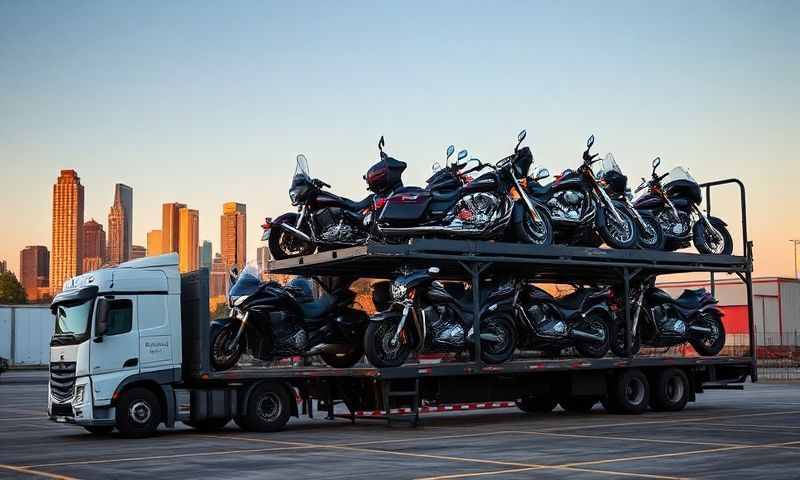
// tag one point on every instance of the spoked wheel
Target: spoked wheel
(651, 236)
(708, 343)
(597, 325)
(535, 232)
(709, 242)
(224, 353)
(283, 244)
(500, 348)
(616, 233)
(382, 350)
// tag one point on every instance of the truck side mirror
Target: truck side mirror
(100, 319)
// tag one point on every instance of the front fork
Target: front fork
(239, 332)
(524, 195)
(707, 222)
(406, 310)
(610, 205)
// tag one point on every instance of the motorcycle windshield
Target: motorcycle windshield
(680, 173)
(247, 282)
(301, 168)
(609, 165)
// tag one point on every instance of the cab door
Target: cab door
(115, 344)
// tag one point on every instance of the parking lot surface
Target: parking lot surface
(753, 433)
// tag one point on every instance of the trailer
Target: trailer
(162, 340)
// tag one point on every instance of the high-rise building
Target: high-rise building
(94, 240)
(233, 234)
(170, 227)
(34, 270)
(189, 228)
(153, 243)
(67, 242)
(91, 264)
(205, 255)
(138, 251)
(218, 277)
(3, 266)
(120, 225)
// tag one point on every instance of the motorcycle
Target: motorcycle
(482, 208)
(615, 184)
(658, 320)
(676, 206)
(580, 208)
(581, 319)
(325, 220)
(271, 321)
(424, 316)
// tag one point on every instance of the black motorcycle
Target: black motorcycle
(658, 320)
(325, 220)
(676, 206)
(483, 208)
(580, 208)
(271, 321)
(425, 315)
(582, 320)
(615, 184)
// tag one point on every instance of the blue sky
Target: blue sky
(203, 102)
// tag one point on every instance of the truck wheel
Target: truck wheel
(268, 409)
(531, 404)
(670, 391)
(628, 392)
(138, 413)
(208, 424)
(578, 404)
(99, 430)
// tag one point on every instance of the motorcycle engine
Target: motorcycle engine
(546, 323)
(333, 228)
(567, 205)
(679, 227)
(475, 209)
(445, 330)
(668, 322)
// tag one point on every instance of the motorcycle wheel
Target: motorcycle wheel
(711, 343)
(601, 325)
(618, 344)
(283, 245)
(704, 240)
(343, 360)
(651, 237)
(223, 357)
(616, 235)
(502, 350)
(535, 233)
(377, 345)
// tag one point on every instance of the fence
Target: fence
(25, 332)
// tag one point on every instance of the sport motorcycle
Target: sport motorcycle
(658, 320)
(615, 184)
(580, 208)
(486, 207)
(422, 314)
(271, 321)
(676, 206)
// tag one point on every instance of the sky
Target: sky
(209, 102)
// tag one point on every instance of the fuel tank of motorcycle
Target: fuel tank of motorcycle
(485, 183)
(648, 201)
(442, 180)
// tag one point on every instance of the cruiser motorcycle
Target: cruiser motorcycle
(424, 315)
(676, 206)
(483, 208)
(580, 208)
(271, 321)
(658, 320)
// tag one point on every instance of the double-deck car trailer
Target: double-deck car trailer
(168, 377)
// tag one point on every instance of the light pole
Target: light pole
(795, 242)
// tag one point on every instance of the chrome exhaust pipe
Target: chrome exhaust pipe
(329, 348)
(295, 232)
(588, 336)
(697, 328)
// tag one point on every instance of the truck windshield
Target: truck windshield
(72, 319)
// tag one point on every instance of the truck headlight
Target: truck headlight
(79, 392)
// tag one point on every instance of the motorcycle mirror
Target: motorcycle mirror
(521, 136)
(590, 141)
(656, 162)
(433, 270)
(435, 167)
(542, 173)
(450, 150)
(381, 144)
(462, 155)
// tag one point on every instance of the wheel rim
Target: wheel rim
(383, 337)
(140, 412)
(621, 232)
(269, 407)
(710, 339)
(674, 390)
(598, 327)
(290, 245)
(537, 231)
(649, 235)
(715, 243)
(503, 338)
(223, 351)
(634, 391)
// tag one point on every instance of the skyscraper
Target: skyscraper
(218, 277)
(67, 242)
(94, 241)
(3, 266)
(189, 226)
(205, 255)
(120, 224)
(170, 227)
(34, 269)
(262, 257)
(153, 243)
(233, 234)
(138, 251)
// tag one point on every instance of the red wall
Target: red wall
(735, 318)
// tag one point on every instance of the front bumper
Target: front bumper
(77, 410)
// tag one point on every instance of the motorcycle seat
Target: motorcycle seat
(357, 206)
(574, 300)
(656, 296)
(445, 196)
(317, 308)
(691, 298)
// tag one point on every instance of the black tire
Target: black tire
(208, 424)
(712, 343)
(617, 236)
(670, 391)
(223, 358)
(377, 345)
(703, 238)
(532, 232)
(138, 413)
(268, 409)
(618, 344)
(651, 236)
(343, 360)
(599, 324)
(628, 393)
(531, 404)
(578, 404)
(503, 350)
(99, 429)
(283, 245)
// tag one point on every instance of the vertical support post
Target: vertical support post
(13, 352)
(628, 321)
(476, 310)
(712, 283)
(748, 280)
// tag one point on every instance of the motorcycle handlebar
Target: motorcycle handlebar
(320, 183)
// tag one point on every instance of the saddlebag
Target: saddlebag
(405, 208)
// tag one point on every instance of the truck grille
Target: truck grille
(62, 380)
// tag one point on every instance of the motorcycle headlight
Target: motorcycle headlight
(399, 291)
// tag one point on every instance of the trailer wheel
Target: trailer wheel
(268, 409)
(208, 424)
(578, 404)
(138, 413)
(628, 393)
(99, 430)
(531, 404)
(670, 391)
